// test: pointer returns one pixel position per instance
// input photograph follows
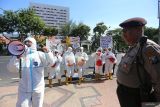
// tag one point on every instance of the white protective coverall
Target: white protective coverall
(55, 70)
(69, 62)
(31, 84)
(81, 58)
(109, 59)
(98, 55)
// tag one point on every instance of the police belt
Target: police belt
(128, 89)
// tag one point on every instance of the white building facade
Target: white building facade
(53, 16)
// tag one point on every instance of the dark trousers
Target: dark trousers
(128, 97)
(114, 68)
(103, 68)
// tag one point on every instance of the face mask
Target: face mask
(81, 50)
(99, 50)
(28, 43)
(69, 50)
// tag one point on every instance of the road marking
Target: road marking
(14, 78)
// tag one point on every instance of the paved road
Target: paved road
(6, 77)
(90, 93)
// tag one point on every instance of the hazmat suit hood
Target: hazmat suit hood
(99, 49)
(109, 49)
(34, 43)
(81, 49)
(69, 49)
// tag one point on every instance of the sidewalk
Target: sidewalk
(88, 94)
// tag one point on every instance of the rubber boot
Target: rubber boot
(110, 76)
(65, 71)
(96, 76)
(83, 79)
(79, 81)
(66, 81)
(59, 82)
(107, 76)
(50, 83)
(99, 77)
(70, 79)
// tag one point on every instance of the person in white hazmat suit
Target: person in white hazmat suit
(31, 84)
(81, 58)
(55, 69)
(69, 62)
(98, 55)
(110, 60)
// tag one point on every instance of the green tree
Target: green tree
(99, 30)
(30, 22)
(37, 25)
(118, 42)
(81, 30)
(9, 22)
(67, 28)
(48, 31)
(152, 33)
(2, 24)
(54, 31)
(23, 21)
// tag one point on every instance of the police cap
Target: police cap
(133, 22)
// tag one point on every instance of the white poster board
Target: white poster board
(54, 42)
(75, 41)
(106, 41)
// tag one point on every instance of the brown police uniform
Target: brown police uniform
(129, 82)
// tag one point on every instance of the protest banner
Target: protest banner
(106, 41)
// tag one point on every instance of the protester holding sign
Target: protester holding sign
(98, 62)
(69, 62)
(81, 58)
(109, 59)
(55, 69)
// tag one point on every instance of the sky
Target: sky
(91, 12)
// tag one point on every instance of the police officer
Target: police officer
(139, 66)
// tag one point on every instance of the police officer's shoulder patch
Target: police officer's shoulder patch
(149, 52)
(152, 53)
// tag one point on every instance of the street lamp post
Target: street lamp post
(159, 21)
